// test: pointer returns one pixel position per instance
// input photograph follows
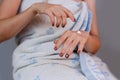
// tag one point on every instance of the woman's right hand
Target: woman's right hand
(54, 10)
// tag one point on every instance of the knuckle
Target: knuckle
(63, 50)
(79, 37)
(68, 31)
(64, 16)
(59, 5)
(58, 15)
(83, 39)
(66, 44)
(74, 34)
(73, 44)
(47, 10)
(70, 51)
(63, 37)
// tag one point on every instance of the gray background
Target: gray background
(108, 17)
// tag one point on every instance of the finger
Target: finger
(58, 17)
(52, 18)
(60, 41)
(72, 47)
(64, 19)
(55, 41)
(80, 47)
(66, 45)
(69, 14)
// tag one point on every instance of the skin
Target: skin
(90, 42)
(8, 28)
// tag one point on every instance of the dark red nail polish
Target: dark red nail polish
(57, 26)
(67, 55)
(63, 26)
(75, 20)
(55, 48)
(52, 24)
(79, 51)
(61, 55)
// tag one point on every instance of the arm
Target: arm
(10, 27)
(9, 21)
(9, 8)
(11, 24)
(88, 42)
(93, 43)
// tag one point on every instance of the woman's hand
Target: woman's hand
(71, 39)
(54, 10)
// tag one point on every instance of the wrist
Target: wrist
(33, 9)
(93, 44)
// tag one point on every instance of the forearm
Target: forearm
(93, 44)
(12, 26)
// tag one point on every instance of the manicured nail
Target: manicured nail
(67, 55)
(55, 48)
(52, 24)
(63, 26)
(57, 25)
(61, 55)
(79, 51)
(75, 20)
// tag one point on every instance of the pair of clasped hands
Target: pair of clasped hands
(70, 39)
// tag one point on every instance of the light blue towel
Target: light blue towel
(35, 57)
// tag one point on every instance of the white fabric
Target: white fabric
(35, 57)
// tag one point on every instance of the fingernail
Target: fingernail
(61, 55)
(79, 51)
(67, 55)
(57, 25)
(75, 20)
(55, 48)
(63, 26)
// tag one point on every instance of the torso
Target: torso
(36, 27)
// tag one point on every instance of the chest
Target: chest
(66, 3)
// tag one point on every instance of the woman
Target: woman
(31, 23)
(8, 21)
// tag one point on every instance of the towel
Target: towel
(35, 57)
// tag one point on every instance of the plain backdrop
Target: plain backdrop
(108, 17)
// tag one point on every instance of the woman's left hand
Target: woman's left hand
(71, 39)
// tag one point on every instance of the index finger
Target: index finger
(69, 14)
